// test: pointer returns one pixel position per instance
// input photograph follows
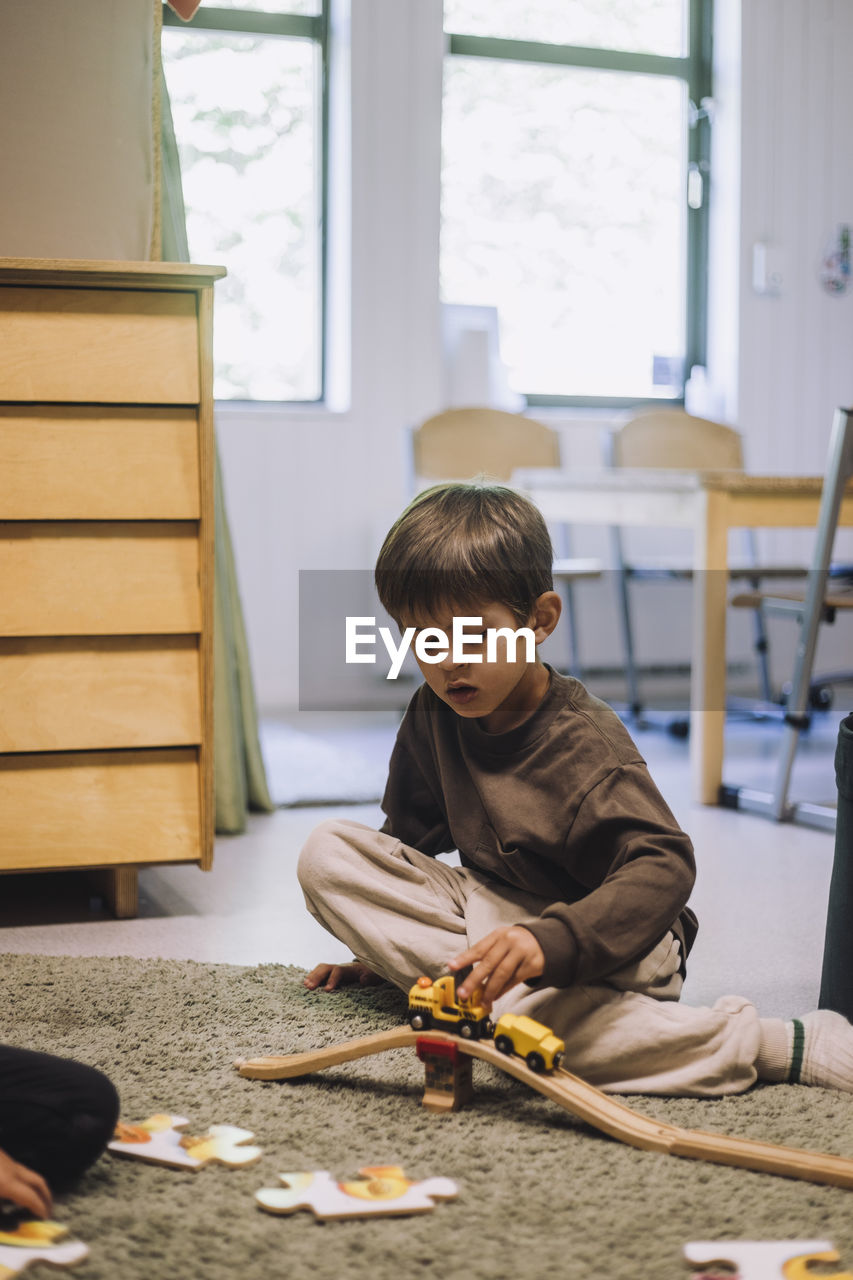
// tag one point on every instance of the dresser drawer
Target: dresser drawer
(122, 691)
(99, 345)
(98, 809)
(59, 462)
(110, 578)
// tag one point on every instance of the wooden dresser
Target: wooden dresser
(106, 568)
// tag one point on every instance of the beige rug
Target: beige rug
(541, 1195)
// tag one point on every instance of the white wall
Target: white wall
(312, 489)
(77, 133)
(317, 490)
(796, 349)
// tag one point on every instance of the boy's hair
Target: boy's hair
(463, 543)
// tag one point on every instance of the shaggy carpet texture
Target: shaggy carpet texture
(541, 1195)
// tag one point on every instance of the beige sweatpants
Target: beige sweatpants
(403, 914)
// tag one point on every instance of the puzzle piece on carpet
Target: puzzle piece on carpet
(380, 1190)
(760, 1259)
(33, 1240)
(157, 1140)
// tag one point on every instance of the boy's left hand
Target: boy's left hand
(502, 959)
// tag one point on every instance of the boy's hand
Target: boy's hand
(24, 1187)
(503, 958)
(332, 976)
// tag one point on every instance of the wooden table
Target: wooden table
(710, 503)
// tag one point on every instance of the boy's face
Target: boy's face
(503, 692)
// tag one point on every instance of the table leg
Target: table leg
(708, 677)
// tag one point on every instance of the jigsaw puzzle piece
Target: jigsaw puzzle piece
(158, 1140)
(761, 1259)
(800, 1269)
(381, 1190)
(34, 1240)
(223, 1144)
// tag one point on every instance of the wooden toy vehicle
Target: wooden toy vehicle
(434, 1004)
(537, 1044)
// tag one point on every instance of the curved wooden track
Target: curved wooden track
(584, 1101)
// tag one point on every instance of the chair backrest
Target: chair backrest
(667, 438)
(460, 443)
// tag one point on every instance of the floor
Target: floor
(760, 895)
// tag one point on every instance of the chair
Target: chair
(460, 443)
(672, 439)
(818, 604)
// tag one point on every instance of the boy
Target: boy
(571, 900)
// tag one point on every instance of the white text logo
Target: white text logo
(432, 644)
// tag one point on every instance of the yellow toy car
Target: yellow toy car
(531, 1040)
(434, 1004)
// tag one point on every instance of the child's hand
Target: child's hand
(24, 1187)
(503, 958)
(331, 976)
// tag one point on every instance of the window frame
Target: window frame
(301, 26)
(695, 69)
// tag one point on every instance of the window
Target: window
(246, 84)
(574, 189)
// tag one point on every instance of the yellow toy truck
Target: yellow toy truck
(434, 1004)
(537, 1044)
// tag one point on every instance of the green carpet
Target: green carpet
(541, 1195)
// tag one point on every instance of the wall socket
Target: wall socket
(769, 269)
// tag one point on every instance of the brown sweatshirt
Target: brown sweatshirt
(562, 806)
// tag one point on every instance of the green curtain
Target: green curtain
(240, 777)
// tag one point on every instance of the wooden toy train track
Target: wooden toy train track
(584, 1101)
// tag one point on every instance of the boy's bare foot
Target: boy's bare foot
(331, 976)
